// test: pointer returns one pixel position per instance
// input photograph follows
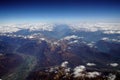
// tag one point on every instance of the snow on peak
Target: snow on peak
(108, 39)
(105, 38)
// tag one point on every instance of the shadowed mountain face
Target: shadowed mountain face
(9, 62)
(5, 47)
(109, 47)
(37, 49)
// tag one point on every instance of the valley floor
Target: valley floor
(21, 72)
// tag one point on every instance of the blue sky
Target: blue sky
(18, 11)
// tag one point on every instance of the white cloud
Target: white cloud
(114, 64)
(67, 70)
(32, 27)
(51, 70)
(78, 74)
(80, 68)
(78, 71)
(91, 64)
(111, 76)
(54, 69)
(107, 28)
(64, 64)
(92, 74)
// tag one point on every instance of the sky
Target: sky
(23, 11)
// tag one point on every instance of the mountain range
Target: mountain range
(26, 48)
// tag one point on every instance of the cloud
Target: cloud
(67, 70)
(91, 64)
(78, 71)
(51, 70)
(92, 74)
(107, 28)
(111, 76)
(114, 64)
(10, 28)
(64, 64)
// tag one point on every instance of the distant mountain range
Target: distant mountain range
(47, 45)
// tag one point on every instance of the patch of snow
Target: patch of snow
(71, 37)
(113, 40)
(72, 42)
(42, 39)
(105, 38)
(31, 37)
(56, 43)
(90, 45)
